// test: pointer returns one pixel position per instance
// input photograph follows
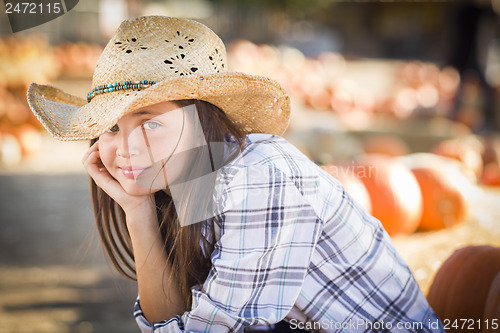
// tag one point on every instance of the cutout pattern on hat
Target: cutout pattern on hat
(130, 44)
(217, 60)
(181, 65)
(179, 40)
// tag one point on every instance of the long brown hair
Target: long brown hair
(190, 263)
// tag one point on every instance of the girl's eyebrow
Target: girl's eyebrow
(146, 112)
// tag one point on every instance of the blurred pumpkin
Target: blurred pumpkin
(385, 144)
(491, 174)
(341, 100)
(10, 150)
(491, 151)
(351, 183)
(405, 102)
(427, 96)
(461, 286)
(449, 81)
(429, 73)
(29, 138)
(463, 177)
(356, 119)
(409, 73)
(443, 203)
(17, 110)
(492, 306)
(394, 193)
(462, 151)
(320, 99)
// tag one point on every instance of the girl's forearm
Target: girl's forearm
(159, 294)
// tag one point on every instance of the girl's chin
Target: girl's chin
(142, 185)
(134, 189)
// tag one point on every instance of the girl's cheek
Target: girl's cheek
(162, 146)
(106, 153)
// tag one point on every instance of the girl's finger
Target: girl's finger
(94, 147)
(101, 176)
(92, 159)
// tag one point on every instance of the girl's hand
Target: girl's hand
(95, 168)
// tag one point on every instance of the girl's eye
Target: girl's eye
(151, 125)
(113, 129)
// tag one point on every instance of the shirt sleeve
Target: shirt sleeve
(268, 233)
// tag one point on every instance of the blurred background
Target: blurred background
(411, 88)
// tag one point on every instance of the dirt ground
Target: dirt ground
(53, 277)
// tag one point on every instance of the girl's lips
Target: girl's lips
(132, 173)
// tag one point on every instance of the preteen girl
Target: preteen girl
(225, 225)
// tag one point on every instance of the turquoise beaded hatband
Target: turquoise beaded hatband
(142, 84)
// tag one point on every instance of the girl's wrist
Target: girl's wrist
(142, 213)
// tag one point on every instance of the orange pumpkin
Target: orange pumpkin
(351, 184)
(492, 306)
(29, 138)
(460, 150)
(387, 144)
(491, 174)
(462, 177)
(394, 193)
(319, 100)
(10, 150)
(491, 151)
(443, 203)
(461, 287)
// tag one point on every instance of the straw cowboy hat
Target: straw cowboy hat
(155, 59)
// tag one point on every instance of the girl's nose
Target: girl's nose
(128, 145)
(122, 147)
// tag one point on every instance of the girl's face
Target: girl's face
(149, 148)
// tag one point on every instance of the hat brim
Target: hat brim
(257, 104)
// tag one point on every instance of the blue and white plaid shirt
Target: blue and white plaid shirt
(292, 244)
